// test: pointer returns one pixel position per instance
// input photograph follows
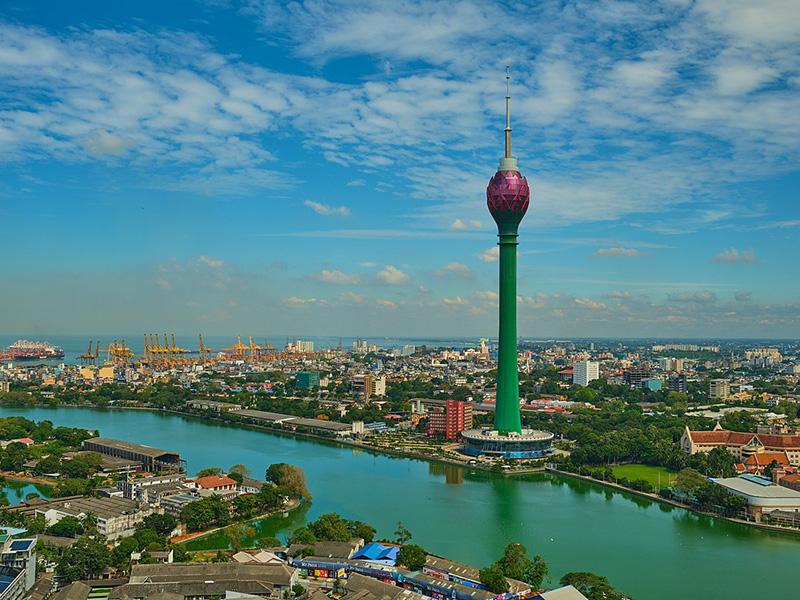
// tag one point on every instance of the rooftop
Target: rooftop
(130, 447)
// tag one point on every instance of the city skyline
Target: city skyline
(320, 168)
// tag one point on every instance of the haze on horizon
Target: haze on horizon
(229, 166)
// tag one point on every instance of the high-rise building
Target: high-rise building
(507, 197)
(677, 383)
(369, 386)
(719, 388)
(451, 420)
(585, 371)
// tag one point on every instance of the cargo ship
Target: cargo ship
(27, 350)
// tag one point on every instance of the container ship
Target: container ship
(27, 350)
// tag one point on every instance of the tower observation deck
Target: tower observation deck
(507, 197)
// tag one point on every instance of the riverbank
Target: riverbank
(293, 504)
(657, 498)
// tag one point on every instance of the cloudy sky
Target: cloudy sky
(319, 167)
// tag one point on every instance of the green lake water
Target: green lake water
(646, 549)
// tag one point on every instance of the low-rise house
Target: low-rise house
(116, 517)
(251, 486)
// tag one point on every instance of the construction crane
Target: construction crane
(205, 351)
(87, 357)
(237, 350)
(254, 350)
(177, 353)
(118, 353)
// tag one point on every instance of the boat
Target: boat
(27, 350)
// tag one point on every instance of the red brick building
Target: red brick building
(450, 421)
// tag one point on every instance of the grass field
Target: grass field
(651, 474)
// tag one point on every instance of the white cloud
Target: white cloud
(163, 284)
(618, 253)
(387, 304)
(732, 255)
(336, 277)
(487, 295)
(356, 183)
(391, 275)
(490, 254)
(589, 303)
(456, 269)
(459, 225)
(743, 295)
(324, 209)
(457, 301)
(297, 301)
(214, 263)
(105, 142)
(617, 294)
(704, 297)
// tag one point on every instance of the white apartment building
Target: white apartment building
(584, 372)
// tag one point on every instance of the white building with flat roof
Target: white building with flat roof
(585, 371)
(762, 495)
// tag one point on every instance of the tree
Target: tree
(402, 534)
(594, 587)
(85, 559)
(209, 472)
(291, 477)
(237, 477)
(237, 532)
(362, 530)
(516, 564)
(74, 487)
(202, 514)
(298, 589)
(269, 496)
(162, 524)
(302, 535)
(121, 553)
(241, 470)
(67, 527)
(246, 506)
(689, 481)
(493, 579)
(330, 527)
(412, 556)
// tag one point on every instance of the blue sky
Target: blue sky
(320, 167)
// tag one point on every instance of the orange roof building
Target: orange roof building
(215, 483)
(743, 445)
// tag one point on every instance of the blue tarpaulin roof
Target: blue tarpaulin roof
(376, 551)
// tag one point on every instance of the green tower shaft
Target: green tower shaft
(506, 415)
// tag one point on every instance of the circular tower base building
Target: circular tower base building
(530, 443)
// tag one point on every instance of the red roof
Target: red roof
(766, 458)
(214, 481)
(25, 440)
(737, 438)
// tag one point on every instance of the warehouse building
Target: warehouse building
(152, 459)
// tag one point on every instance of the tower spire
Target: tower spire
(508, 163)
(508, 111)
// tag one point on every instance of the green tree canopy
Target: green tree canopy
(412, 557)
(85, 559)
(594, 587)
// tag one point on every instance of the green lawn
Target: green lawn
(651, 474)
